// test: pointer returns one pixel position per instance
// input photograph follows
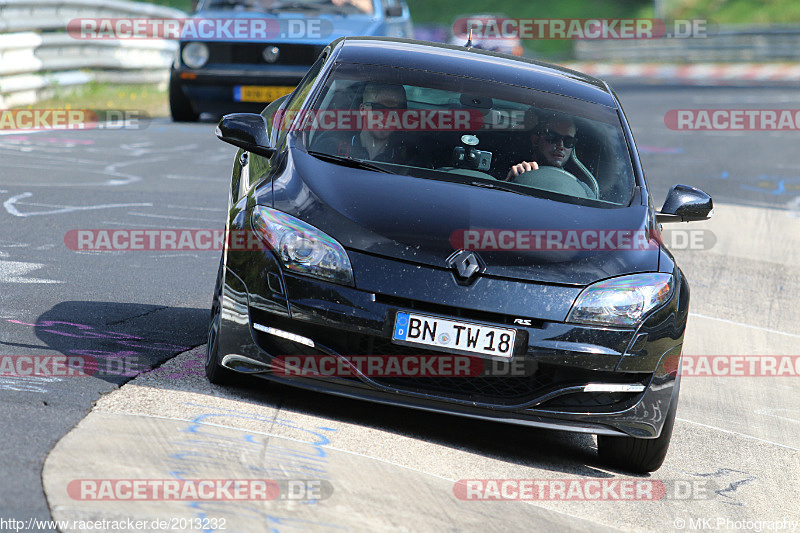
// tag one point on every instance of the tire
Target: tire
(180, 107)
(215, 373)
(638, 455)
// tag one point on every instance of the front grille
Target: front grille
(503, 390)
(250, 53)
(499, 390)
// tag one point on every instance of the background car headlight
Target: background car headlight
(195, 55)
(303, 248)
(621, 301)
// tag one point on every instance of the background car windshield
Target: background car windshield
(341, 6)
(438, 126)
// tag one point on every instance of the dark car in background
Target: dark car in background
(238, 55)
(424, 250)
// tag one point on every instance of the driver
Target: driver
(553, 141)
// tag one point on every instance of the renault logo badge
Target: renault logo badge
(465, 263)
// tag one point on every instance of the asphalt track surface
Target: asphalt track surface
(735, 455)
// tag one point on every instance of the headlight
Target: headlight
(303, 248)
(621, 301)
(195, 54)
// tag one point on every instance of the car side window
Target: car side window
(297, 97)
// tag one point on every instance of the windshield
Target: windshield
(437, 126)
(306, 6)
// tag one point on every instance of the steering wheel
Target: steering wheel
(556, 180)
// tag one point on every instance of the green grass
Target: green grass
(100, 96)
(183, 5)
(437, 12)
(749, 12)
(444, 12)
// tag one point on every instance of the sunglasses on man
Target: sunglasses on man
(553, 138)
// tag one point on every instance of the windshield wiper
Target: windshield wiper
(497, 186)
(348, 162)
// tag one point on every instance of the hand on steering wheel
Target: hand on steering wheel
(520, 168)
(555, 179)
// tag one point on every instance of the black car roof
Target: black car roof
(475, 63)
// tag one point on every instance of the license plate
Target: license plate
(259, 93)
(465, 337)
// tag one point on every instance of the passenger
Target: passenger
(373, 144)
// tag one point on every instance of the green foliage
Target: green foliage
(445, 12)
(751, 12)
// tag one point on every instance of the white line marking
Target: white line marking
(771, 412)
(187, 178)
(215, 209)
(15, 272)
(739, 434)
(26, 383)
(139, 225)
(10, 206)
(19, 132)
(133, 213)
(742, 324)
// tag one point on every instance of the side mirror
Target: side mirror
(245, 130)
(685, 204)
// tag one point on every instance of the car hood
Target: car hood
(422, 221)
(325, 28)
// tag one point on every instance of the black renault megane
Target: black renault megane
(460, 231)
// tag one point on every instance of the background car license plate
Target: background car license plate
(259, 93)
(459, 336)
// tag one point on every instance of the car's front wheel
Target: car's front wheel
(638, 455)
(180, 107)
(216, 373)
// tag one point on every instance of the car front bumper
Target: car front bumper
(560, 359)
(211, 90)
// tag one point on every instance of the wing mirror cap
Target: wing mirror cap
(685, 204)
(247, 131)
